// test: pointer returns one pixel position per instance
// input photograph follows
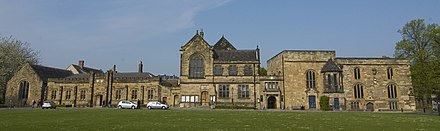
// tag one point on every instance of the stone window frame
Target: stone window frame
(223, 91)
(358, 91)
(150, 94)
(189, 99)
(243, 91)
(393, 105)
(248, 70)
(390, 73)
(232, 70)
(392, 91)
(54, 94)
(310, 79)
(218, 70)
(355, 105)
(82, 94)
(68, 94)
(118, 94)
(196, 66)
(23, 92)
(357, 73)
(134, 95)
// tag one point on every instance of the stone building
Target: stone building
(221, 75)
(351, 83)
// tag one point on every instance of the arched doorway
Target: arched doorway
(176, 100)
(271, 102)
(370, 106)
(205, 98)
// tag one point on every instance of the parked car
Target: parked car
(156, 105)
(48, 105)
(126, 104)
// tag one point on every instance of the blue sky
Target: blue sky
(124, 32)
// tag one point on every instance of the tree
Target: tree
(13, 54)
(262, 71)
(324, 103)
(417, 46)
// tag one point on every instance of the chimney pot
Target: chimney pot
(81, 63)
(140, 67)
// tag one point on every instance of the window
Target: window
(118, 94)
(243, 91)
(358, 91)
(390, 74)
(310, 79)
(357, 73)
(271, 85)
(232, 70)
(354, 105)
(54, 94)
(196, 67)
(392, 92)
(393, 105)
(83, 94)
(24, 90)
(218, 70)
(192, 99)
(212, 98)
(68, 95)
(248, 70)
(223, 91)
(150, 94)
(134, 94)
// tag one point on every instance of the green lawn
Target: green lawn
(114, 119)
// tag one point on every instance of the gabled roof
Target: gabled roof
(224, 44)
(235, 55)
(49, 72)
(133, 75)
(86, 69)
(196, 36)
(331, 66)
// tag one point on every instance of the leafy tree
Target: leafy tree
(324, 103)
(13, 54)
(262, 71)
(417, 45)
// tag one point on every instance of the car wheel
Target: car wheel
(120, 107)
(132, 107)
(149, 107)
(163, 107)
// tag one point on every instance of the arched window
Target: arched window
(23, 91)
(390, 74)
(392, 91)
(310, 79)
(357, 73)
(358, 91)
(196, 67)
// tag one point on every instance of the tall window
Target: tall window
(357, 73)
(232, 70)
(83, 95)
(223, 91)
(392, 92)
(24, 90)
(310, 79)
(393, 105)
(358, 91)
(243, 91)
(118, 94)
(68, 95)
(150, 94)
(354, 105)
(54, 94)
(134, 94)
(196, 67)
(248, 70)
(218, 70)
(390, 74)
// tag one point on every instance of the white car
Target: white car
(48, 105)
(126, 104)
(156, 105)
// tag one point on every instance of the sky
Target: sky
(104, 33)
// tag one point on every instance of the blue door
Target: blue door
(312, 102)
(336, 103)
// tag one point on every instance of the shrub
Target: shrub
(323, 102)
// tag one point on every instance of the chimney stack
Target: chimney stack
(202, 33)
(81, 63)
(140, 67)
(114, 69)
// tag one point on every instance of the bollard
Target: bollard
(401, 109)
(424, 110)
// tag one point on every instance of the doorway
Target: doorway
(271, 102)
(370, 106)
(312, 102)
(98, 101)
(205, 98)
(176, 100)
(336, 103)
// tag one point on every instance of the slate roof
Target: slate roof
(224, 44)
(50, 72)
(133, 75)
(79, 76)
(235, 55)
(331, 66)
(86, 69)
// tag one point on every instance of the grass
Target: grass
(114, 119)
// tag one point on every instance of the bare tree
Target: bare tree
(13, 54)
